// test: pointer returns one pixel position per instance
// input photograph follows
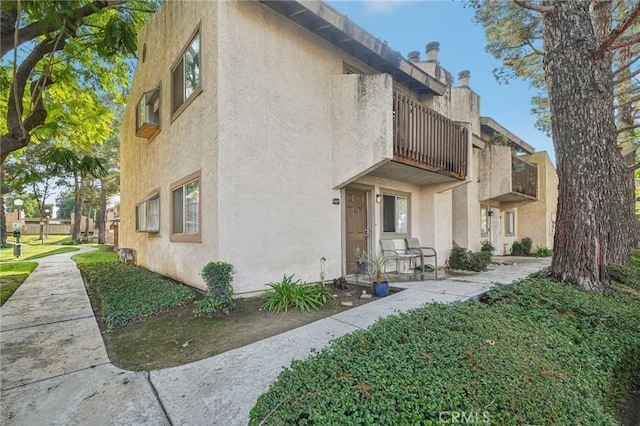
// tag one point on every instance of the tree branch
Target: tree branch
(626, 41)
(624, 67)
(610, 42)
(40, 28)
(18, 131)
(537, 8)
(630, 101)
(627, 128)
(626, 77)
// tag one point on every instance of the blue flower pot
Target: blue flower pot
(381, 289)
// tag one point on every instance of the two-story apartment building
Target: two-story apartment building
(282, 138)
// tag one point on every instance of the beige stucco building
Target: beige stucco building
(284, 139)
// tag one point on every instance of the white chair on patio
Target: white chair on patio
(390, 250)
(413, 246)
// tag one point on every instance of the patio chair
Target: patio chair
(413, 246)
(389, 249)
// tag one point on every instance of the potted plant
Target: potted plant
(376, 264)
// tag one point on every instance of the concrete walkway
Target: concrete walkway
(55, 370)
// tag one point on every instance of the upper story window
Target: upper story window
(148, 114)
(395, 213)
(185, 76)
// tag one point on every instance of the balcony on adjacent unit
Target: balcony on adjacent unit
(505, 177)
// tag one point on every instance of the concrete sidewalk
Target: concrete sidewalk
(55, 369)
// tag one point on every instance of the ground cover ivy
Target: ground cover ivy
(535, 352)
(128, 292)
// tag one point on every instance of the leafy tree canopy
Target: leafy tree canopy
(58, 59)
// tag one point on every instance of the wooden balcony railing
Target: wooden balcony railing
(524, 177)
(426, 139)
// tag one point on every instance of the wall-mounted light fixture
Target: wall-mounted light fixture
(378, 198)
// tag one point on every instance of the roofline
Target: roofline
(497, 127)
(324, 21)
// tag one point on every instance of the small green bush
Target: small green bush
(219, 296)
(129, 293)
(487, 246)
(521, 248)
(466, 260)
(289, 293)
(543, 252)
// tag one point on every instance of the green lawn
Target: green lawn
(11, 276)
(535, 352)
(33, 248)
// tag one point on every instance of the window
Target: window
(148, 114)
(395, 213)
(484, 221)
(510, 223)
(148, 214)
(185, 76)
(185, 196)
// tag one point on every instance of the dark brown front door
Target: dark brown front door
(356, 227)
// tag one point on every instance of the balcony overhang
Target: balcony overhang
(512, 198)
(402, 172)
(489, 126)
(321, 19)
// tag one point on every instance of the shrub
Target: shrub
(487, 246)
(296, 293)
(543, 252)
(219, 296)
(521, 248)
(466, 260)
(128, 292)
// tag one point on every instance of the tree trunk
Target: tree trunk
(580, 92)
(79, 201)
(102, 216)
(3, 216)
(86, 223)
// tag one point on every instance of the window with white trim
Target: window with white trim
(510, 223)
(185, 76)
(395, 213)
(484, 221)
(185, 197)
(148, 214)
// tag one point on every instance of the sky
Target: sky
(408, 25)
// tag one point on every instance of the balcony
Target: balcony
(524, 178)
(428, 140)
(505, 177)
(379, 131)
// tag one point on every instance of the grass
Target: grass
(32, 248)
(11, 276)
(535, 352)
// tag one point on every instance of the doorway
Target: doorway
(356, 227)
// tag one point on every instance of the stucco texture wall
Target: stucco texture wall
(494, 171)
(186, 143)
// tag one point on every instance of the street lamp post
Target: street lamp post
(46, 221)
(18, 203)
(17, 230)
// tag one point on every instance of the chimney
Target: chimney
(463, 78)
(414, 56)
(432, 51)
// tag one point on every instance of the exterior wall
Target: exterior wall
(363, 140)
(535, 220)
(186, 143)
(276, 133)
(430, 215)
(494, 171)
